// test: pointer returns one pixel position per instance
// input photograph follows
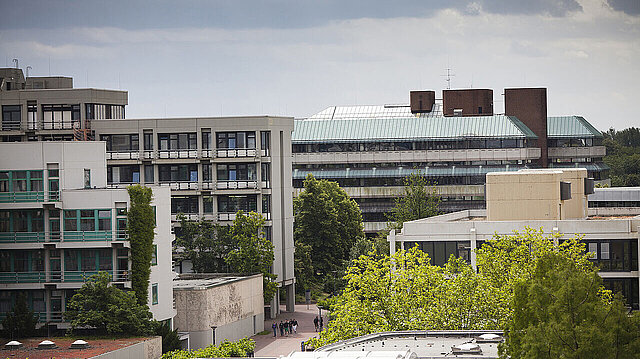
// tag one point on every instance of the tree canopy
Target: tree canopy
(21, 321)
(110, 310)
(560, 312)
(419, 199)
(205, 244)
(329, 222)
(406, 291)
(623, 156)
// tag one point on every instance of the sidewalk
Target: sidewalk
(270, 347)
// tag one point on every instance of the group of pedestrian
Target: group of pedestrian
(286, 327)
(318, 323)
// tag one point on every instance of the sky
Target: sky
(196, 58)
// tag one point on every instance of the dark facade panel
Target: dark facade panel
(529, 105)
(422, 101)
(469, 102)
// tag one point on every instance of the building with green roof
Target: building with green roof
(454, 142)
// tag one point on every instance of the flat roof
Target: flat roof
(205, 281)
(63, 347)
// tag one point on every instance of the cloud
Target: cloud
(631, 7)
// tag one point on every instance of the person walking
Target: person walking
(315, 323)
(321, 323)
(295, 326)
(281, 329)
(274, 326)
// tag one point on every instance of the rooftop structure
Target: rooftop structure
(59, 225)
(535, 199)
(454, 142)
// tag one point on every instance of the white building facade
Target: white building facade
(60, 224)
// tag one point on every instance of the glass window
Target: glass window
(154, 293)
(89, 260)
(19, 181)
(206, 139)
(11, 117)
(604, 250)
(231, 140)
(593, 248)
(87, 178)
(154, 255)
(148, 173)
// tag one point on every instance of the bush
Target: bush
(242, 348)
(170, 339)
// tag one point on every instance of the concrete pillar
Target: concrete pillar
(392, 242)
(275, 305)
(291, 297)
(474, 245)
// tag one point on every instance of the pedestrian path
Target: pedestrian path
(269, 347)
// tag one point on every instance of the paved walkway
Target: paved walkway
(270, 347)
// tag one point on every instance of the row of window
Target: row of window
(32, 220)
(399, 181)
(22, 181)
(188, 172)
(417, 145)
(226, 204)
(408, 164)
(57, 116)
(186, 141)
(614, 255)
(574, 142)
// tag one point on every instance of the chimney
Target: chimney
(529, 105)
(422, 101)
(468, 102)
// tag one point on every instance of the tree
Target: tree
(243, 348)
(560, 313)
(140, 225)
(329, 222)
(21, 321)
(170, 339)
(108, 309)
(252, 252)
(623, 156)
(419, 199)
(406, 291)
(205, 244)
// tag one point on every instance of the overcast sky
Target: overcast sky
(297, 57)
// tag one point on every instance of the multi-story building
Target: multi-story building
(60, 224)
(555, 200)
(213, 166)
(50, 109)
(454, 142)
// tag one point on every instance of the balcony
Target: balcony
(129, 155)
(236, 184)
(59, 276)
(236, 152)
(187, 216)
(181, 185)
(69, 236)
(232, 216)
(32, 196)
(171, 154)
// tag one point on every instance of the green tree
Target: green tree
(328, 221)
(140, 227)
(559, 312)
(623, 156)
(170, 339)
(243, 348)
(252, 252)
(21, 321)
(419, 199)
(205, 244)
(110, 310)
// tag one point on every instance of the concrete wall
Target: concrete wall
(235, 308)
(148, 349)
(535, 195)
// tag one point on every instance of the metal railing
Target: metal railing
(186, 153)
(123, 155)
(30, 196)
(59, 276)
(236, 152)
(237, 184)
(66, 236)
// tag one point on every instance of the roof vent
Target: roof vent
(489, 338)
(14, 344)
(47, 344)
(79, 344)
(466, 348)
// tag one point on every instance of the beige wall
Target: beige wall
(535, 194)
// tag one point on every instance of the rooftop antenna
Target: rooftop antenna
(448, 77)
(29, 68)
(15, 61)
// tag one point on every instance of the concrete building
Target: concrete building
(412, 344)
(214, 308)
(615, 201)
(213, 166)
(454, 141)
(59, 224)
(552, 199)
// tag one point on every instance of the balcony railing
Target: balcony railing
(120, 155)
(232, 216)
(178, 153)
(31, 196)
(180, 185)
(236, 184)
(236, 152)
(59, 277)
(69, 236)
